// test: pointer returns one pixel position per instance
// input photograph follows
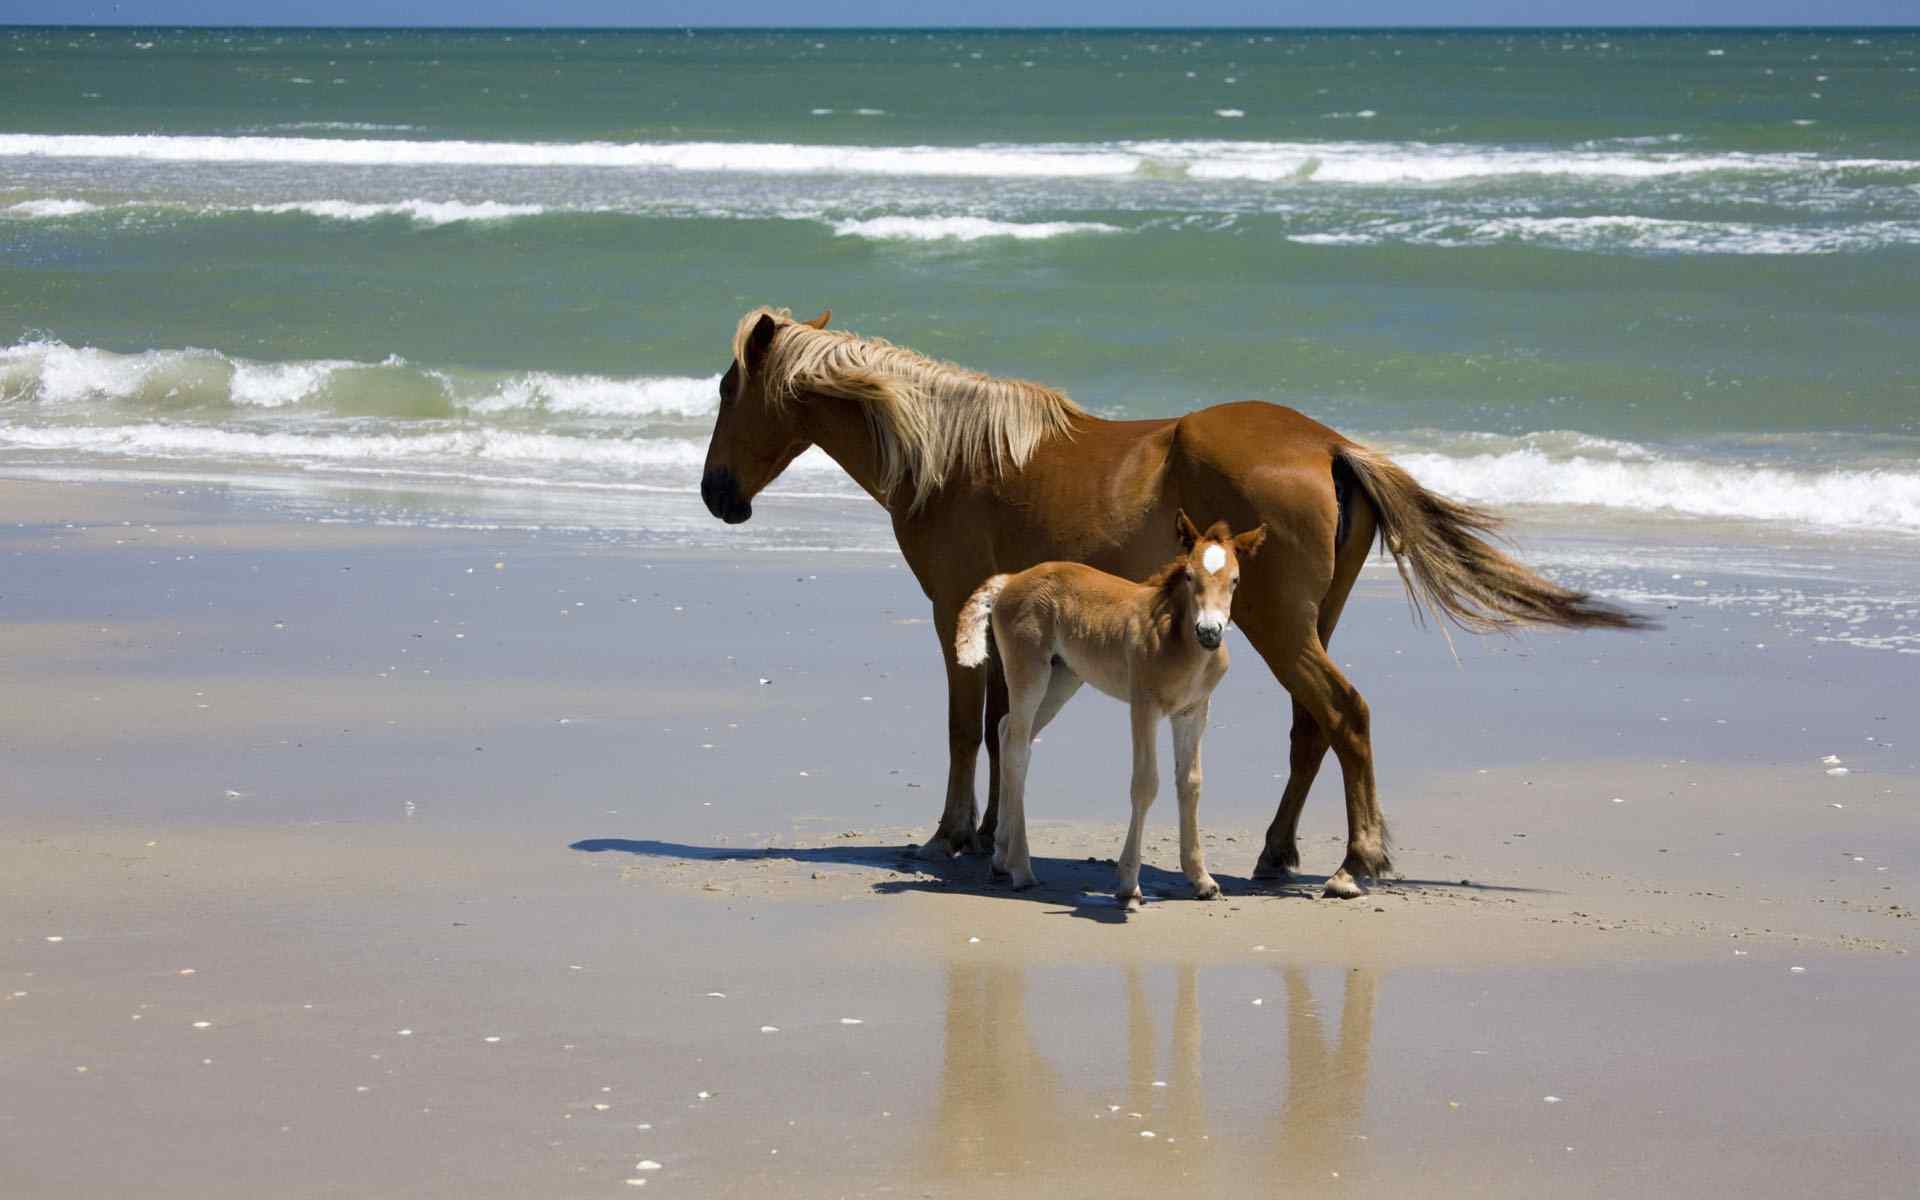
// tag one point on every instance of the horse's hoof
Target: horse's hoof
(1206, 889)
(1130, 901)
(937, 849)
(1021, 883)
(1341, 887)
(1271, 869)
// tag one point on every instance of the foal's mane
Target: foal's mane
(930, 419)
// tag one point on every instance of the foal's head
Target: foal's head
(1209, 572)
(753, 440)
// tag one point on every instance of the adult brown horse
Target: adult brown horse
(984, 476)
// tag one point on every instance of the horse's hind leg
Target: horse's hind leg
(1188, 728)
(1280, 856)
(1340, 712)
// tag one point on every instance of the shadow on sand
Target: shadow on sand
(1083, 885)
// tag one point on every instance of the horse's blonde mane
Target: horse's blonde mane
(930, 419)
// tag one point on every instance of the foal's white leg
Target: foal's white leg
(1146, 780)
(1188, 728)
(1025, 693)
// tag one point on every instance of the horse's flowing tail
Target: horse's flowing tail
(970, 642)
(1450, 569)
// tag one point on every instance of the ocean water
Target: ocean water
(1621, 281)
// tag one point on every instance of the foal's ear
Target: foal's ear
(1248, 544)
(760, 341)
(1185, 528)
(820, 322)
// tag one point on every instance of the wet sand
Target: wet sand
(314, 785)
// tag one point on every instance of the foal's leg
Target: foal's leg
(1188, 728)
(1146, 781)
(1028, 682)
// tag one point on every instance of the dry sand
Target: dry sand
(376, 862)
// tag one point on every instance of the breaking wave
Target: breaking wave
(1377, 163)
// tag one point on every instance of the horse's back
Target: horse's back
(1257, 463)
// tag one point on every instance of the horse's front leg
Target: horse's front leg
(1188, 728)
(966, 694)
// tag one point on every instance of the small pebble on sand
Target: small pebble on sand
(1550, 1099)
(492, 1037)
(403, 1033)
(1838, 771)
(203, 1024)
(851, 1021)
(769, 1029)
(1798, 970)
(646, 1164)
(1257, 1000)
(716, 995)
(55, 937)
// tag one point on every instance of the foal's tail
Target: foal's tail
(1450, 569)
(970, 642)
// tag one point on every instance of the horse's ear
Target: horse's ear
(759, 342)
(1185, 528)
(1248, 544)
(820, 322)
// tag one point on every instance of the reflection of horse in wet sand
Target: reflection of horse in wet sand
(984, 475)
(1158, 645)
(1004, 1108)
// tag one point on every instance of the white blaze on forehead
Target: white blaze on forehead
(1213, 559)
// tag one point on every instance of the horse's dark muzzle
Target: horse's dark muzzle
(722, 493)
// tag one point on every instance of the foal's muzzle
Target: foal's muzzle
(722, 493)
(1209, 636)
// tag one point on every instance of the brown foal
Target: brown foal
(1159, 645)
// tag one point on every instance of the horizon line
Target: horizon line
(1568, 27)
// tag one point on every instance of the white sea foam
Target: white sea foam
(54, 374)
(963, 229)
(1651, 235)
(1876, 499)
(425, 212)
(1372, 162)
(595, 395)
(50, 208)
(605, 459)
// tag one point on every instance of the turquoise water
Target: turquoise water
(1616, 275)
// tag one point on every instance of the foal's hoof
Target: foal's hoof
(1021, 883)
(1206, 889)
(1130, 901)
(1341, 887)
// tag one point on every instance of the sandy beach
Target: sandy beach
(351, 860)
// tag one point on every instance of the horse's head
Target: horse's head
(1211, 571)
(753, 439)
